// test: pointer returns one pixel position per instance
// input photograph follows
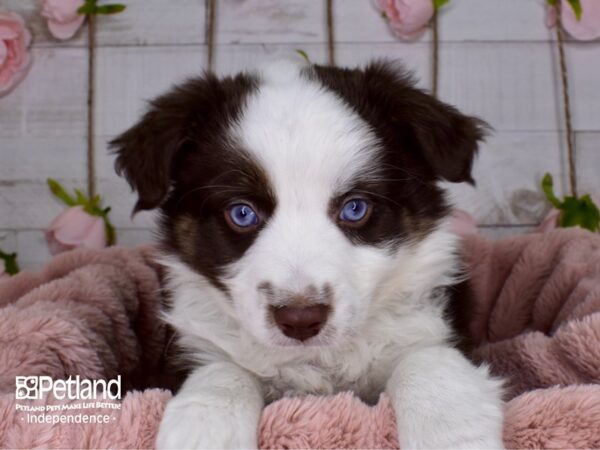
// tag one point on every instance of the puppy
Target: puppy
(305, 241)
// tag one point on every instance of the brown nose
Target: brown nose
(300, 323)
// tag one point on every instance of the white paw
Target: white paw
(443, 437)
(192, 426)
(451, 441)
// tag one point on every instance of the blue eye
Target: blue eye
(354, 210)
(242, 215)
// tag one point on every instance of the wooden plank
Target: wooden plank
(34, 158)
(42, 134)
(144, 22)
(51, 100)
(154, 22)
(503, 21)
(516, 86)
(8, 240)
(473, 76)
(509, 85)
(583, 61)
(29, 203)
(464, 20)
(270, 21)
(230, 59)
(299, 21)
(129, 76)
(508, 173)
(588, 163)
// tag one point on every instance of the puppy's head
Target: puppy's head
(300, 194)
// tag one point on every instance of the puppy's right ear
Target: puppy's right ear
(184, 117)
(146, 151)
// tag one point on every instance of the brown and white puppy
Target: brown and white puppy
(305, 240)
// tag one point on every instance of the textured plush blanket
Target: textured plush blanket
(94, 313)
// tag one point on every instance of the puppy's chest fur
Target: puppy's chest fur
(362, 368)
(362, 365)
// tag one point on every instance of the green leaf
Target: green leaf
(111, 234)
(576, 5)
(86, 9)
(552, 2)
(437, 4)
(304, 55)
(60, 193)
(548, 188)
(89, 7)
(112, 8)
(95, 202)
(11, 266)
(580, 212)
(81, 199)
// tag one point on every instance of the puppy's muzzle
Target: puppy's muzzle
(300, 322)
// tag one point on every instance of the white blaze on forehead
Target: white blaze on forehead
(304, 136)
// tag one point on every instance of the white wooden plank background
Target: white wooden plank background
(497, 61)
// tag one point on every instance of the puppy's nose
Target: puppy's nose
(300, 323)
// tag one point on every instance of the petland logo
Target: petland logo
(36, 388)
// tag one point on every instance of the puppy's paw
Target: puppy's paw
(435, 440)
(443, 436)
(482, 441)
(204, 428)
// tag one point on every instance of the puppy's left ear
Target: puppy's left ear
(410, 119)
(448, 140)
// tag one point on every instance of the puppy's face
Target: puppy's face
(297, 193)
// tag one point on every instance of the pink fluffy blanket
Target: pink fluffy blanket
(94, 314)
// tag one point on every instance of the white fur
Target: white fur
(443, 401)
(218, 406)
(387, 330)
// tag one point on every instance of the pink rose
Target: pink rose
(585, 29)
(62, 17)
(408, 19)
(75, 228)
(462, 223)
(14, 56)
